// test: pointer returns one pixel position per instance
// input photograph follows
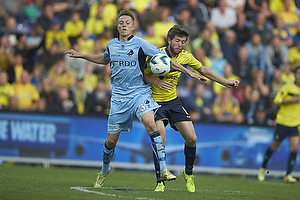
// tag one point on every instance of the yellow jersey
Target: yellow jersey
(27, 94)
(6, 92)
(288, 114)
(186, 59)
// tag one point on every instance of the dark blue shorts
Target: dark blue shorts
(172, 112)
(282, 132)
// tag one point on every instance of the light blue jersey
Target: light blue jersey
(130, 95)
(127, 63)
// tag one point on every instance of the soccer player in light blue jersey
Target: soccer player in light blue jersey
(130, 95)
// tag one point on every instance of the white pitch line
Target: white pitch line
(85, 189)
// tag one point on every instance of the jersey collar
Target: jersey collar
(130, 37)
(168, 53)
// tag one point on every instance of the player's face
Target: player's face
(177, 44)
(125, 25)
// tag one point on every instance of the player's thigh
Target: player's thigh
(187, 131)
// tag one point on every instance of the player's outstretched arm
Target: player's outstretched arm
(164, 85)
(214, 77)
(96, 58)
(178, 67)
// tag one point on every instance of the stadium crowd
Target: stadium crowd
(254, 41)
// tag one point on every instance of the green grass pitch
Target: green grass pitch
(62, 183)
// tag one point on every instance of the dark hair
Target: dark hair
(126, 12)
(178, 30)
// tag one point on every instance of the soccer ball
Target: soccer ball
(160, 64)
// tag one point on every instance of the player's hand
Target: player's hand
(73, 53)
(233, 84)
(197, 76)
(164, 85)
(296, 98)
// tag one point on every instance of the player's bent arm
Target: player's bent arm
(96, 58)
(176, 66)
(164, 85)
(208, 73)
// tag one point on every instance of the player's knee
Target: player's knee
(111, 142)
(294, 149)
(274, 146)
(150, 127)
(191, 141)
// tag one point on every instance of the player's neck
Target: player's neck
(124, 38)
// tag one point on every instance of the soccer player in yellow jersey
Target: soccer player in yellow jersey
(171, 110)
(288, 120)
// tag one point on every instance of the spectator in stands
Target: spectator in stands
(61, 9)
(261, 117)
(205, 42)
(151, 15)
(162, 26)
(79, 94)
(47, 92)
(106, 36)
(296, 37)
(3, 16)
(287, 76)
(35, 38)
(254, 7)
(49, 58)
(74, 27)
(241, 30)
(261, 86)
(37, 76)
(237, 5)
(228, 75)
(201, 103)
(184, 19)
(200, 55)
(282, 32)
(261, 28)
(289, 17)
(256, 52)
(242, 67)
(13, 105)
(10, 30)
(217, 61)
(276, 56)
(150, 37)
(109, 12)
(226, 107)
(277, 6)
(6, 53)
(15, 70)
(294, 56)
(85, 43)
(64, 106)
(95, 25)
(44, 21)
(6, 90)
(90, 79)
(229, 46)
(223, 17)
(98, 102)
(27, 93)
(276, 83)
(249, 106)
(60, 76)
(57, 35)
(197, 11)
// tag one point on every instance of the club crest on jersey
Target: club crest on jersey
(130, 52)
